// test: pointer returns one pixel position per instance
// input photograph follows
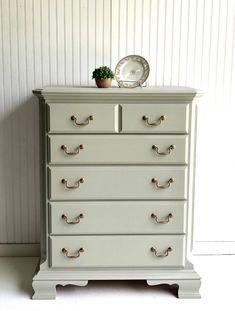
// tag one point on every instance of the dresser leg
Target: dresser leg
(44, 290)
(189, 288)
(47, 289)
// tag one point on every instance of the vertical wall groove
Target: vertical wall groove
(231, 81)
(60, 42)
(10, 202)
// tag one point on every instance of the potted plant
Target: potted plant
(103, 76)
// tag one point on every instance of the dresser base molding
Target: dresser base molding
(45, 281)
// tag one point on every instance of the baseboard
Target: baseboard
(213, 248)
(199, 248)
(20, 250)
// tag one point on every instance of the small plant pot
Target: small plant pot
(103, 83)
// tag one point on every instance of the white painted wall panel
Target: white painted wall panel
(60, 42)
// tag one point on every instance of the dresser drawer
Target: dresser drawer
(116, 217)
(83, 118)
(117, 182)
(113, 149)
(166, 118)
(117, 251)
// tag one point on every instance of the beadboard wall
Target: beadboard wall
(60, 42)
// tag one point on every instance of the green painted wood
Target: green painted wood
(116, 251)
(117, 197)
(118, 149)
(176, 118)
(117, 182)
(105, 118)
(117, 217)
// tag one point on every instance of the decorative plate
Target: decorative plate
(132, 71)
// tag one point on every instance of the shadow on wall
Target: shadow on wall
(19, 178)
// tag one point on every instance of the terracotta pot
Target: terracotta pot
(104, 82)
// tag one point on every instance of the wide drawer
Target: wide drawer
(117, 217)
(117, 182)
(83, 118)
(111, 149)
(165, 118)
(117, 251)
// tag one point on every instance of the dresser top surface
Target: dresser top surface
(117, 90)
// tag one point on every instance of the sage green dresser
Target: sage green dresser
(117, 187)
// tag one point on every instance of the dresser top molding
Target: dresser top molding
(166, 92)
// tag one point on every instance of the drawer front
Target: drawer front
(117, 182)
(167, 118)
(116, 251)
(108, 149)
(83, 118)
(116, 217)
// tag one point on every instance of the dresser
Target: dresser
(117, 187)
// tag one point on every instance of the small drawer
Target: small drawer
(83, 118)
(155, 118)
(115, 217)
(117, 251)
(122, 149)
(117, 182)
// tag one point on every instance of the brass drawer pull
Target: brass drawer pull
(75, 186)
(164, 221)
(87, 121)
(159, 121)
(170, 181)
(76, 151)
(65, 217)
(81, 250)
(164, 254)
(168, 151)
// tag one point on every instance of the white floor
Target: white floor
(218, 274)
